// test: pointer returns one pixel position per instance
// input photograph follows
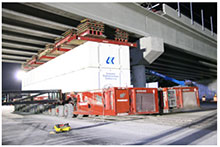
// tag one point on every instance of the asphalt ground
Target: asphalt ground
(185, 128)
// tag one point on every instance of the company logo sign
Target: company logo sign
(110, 60)
(122, 95)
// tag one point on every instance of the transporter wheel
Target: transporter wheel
(75, 115)
(68, 110)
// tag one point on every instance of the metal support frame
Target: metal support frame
(178, 6)
(191, 13)
(28, 97)
(211, 25)
(71, 37)
(107, 41)
(202, 17)
(47, 57)
(30, 102)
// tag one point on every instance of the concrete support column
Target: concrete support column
(139, 76)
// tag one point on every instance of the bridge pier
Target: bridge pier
(139, 76)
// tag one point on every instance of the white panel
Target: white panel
(109, 78)
(125, 78)
(124, 57)
(152, 85)
(83, 68)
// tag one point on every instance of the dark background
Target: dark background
(9, 81)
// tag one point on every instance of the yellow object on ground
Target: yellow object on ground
(62, 127)
(52, 132)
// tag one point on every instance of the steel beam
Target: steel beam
(35, 20)
(24, 39)
(30, 102)
(27, 31)
(20, 46)
(208, 64)
(15, 57)
(12, 61)
(179, 63)
(179, 77)
(17, 52)
(179, 72)
(174, 53)
(33, 91)
(170, 66)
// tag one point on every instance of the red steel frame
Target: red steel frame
(47, 57)
(107, 41)
(71, 37)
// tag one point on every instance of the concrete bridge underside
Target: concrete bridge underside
(188, 51)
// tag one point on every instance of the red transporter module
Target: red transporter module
(118, 101)
(179, 98)
(144, 101)
(107, 102)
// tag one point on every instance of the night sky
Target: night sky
(9, 81)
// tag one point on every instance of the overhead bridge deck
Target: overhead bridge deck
(28, 27)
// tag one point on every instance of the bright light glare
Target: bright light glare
(20, 74)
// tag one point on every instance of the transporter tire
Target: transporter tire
(61, 111)
(68, 110)
(53, 112)
(56, 110)
(16, 107)
(49, 111)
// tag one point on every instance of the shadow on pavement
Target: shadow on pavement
(210, 119)
(91, 126)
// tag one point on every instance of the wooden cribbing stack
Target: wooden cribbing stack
(91, 28)
(87, 30)
(66, 33)
(48, 49)
(69, 31)
(121, 35)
